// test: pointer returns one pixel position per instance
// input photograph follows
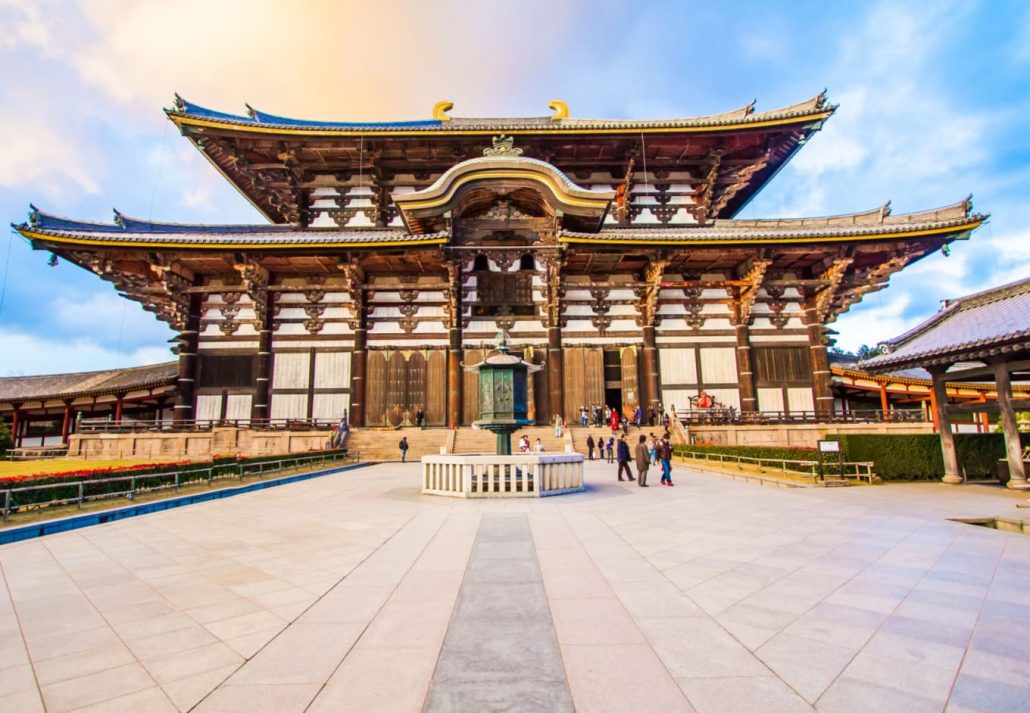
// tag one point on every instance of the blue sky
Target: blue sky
(934, 100)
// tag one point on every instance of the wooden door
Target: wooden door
(375, 389)
(416, 383)
(436, 388)
(470, 386)
(396, 388)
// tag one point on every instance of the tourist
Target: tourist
(643, 461)
(665, 456)
(420, 417)
(590, 447)
(403, 445)
(652, 448)
(524, 444)
(623, 458)
(540, 448)
(614, 420)
(583, 415)
(638, 416)
(557, 425)
(611, 449)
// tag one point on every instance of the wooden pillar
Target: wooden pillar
(260, 407)
(187, 378)
(357, 373)
(822, 394)
(119, 404)
(16, 426)
(985, 422)
(1013, 449)
(745, 373)
(649, 366)
(939, 403)
(455, 375)
(884, 403)
(555, 373)
(66, 423)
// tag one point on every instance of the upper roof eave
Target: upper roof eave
(814, 110)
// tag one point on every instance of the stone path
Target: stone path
(353, 592)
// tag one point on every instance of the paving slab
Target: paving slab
(355, 592)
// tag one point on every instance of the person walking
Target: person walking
(557, 425)
(611, 449)
(590, 447)
(643, 461)
(403, 445)
(665, 457)
(623, 458)
(652, 449)
(614, 420)
(583, 415)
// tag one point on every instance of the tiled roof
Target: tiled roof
(87, 383)
(879, 222)
(183, 109)
(131, 231)
(969, 328)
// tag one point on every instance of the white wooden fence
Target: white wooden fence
(486, 476)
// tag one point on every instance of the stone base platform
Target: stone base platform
(199, 444)
(493, 476)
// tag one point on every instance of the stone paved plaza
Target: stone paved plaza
(353, 592)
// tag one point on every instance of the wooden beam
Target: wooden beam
(1013, 448)
(938, 400)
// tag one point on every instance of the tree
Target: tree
(867, 352)
(6, 441)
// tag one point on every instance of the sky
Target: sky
(934, 99)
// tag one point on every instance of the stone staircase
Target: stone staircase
(579, 436)
(470, 440)
(380, 444)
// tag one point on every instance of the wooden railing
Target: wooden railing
(859, 470)
(731, 416)
(103, 425)
(129, 486)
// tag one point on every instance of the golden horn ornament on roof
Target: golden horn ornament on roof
(560, 109)
(440, 110)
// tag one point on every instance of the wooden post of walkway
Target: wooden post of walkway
(1013, 449)
(939, 404)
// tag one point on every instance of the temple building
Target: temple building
(609, 250)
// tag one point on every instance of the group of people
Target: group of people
(647, 452)
(525, 447)
(601, 415)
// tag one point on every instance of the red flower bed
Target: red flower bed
(91, 473)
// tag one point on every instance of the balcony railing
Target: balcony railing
(103, 425)
(731, 416)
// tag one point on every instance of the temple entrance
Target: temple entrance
(401, 383)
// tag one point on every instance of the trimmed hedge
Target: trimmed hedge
(903, 456)
(919, 457)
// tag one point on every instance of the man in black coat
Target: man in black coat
(623, 458)
(590, 447)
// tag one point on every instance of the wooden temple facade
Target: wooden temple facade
(394, 252)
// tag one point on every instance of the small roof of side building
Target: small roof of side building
(970, 328)
(22, 389)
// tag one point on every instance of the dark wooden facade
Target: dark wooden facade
(606, 249)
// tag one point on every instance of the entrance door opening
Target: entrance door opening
(613, 398)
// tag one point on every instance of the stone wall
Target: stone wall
(804, 435)
(202, 444)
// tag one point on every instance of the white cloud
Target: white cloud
(104, 312)
(877, 322)
(33, 150)
(26, 354)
